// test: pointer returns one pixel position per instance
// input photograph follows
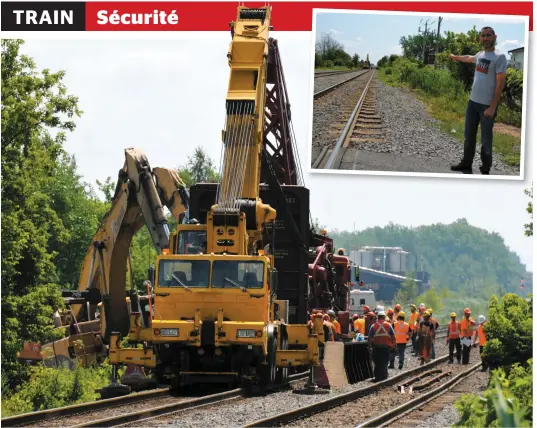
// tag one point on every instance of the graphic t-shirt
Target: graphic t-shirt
(487, 65)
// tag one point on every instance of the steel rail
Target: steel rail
(332, 73)
(395, 414)
(337, 153)
(75, 409)
(319, 94)
(181, 405)
(338, 400)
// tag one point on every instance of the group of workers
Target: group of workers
(388, 334)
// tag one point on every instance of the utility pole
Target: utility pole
(437, 39)
(426, 33)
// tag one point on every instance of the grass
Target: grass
(450, 111)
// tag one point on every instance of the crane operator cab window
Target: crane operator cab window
(238, 274)
(184, 273)
(192, 242)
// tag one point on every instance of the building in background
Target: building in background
(517, 58)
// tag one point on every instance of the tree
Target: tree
(529, 209)
(199, 169)
(460, 44)
(355, 60)
(33, 104)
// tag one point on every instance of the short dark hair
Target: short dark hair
(488, 28)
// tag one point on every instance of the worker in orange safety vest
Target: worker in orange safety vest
(467, 332)
(330, 330)
(482, 338)
(454, 338)
(359, 325)
(426, 334)
(381, 338)
(334, 322)
(413, 324)
(436, 325)
(402, 334)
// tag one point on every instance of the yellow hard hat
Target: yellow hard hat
(430, 310)
(453, 314)
(401, 314)
(426, 314)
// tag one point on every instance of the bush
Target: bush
(509, 331)
(388, 70)
(507, 402)
(50, 388)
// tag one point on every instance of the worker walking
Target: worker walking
(480, 335)
(412, 322)
(382, 339)
(426, 334)
(467, 331)
(402, 334)
(393, 351)
(454, 339)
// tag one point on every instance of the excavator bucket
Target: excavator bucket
(343, 364)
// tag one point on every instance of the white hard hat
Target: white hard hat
(481, 319)
(379, 308)
(331, 312)
(422, 305)
(381, 313)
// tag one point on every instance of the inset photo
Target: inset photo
(404, 93)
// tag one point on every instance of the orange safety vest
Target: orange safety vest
(337, 325)
(401, 329)
(413, 320)
(467, 327)
(381, 334)
(454, 329)
(481, 335)
(425, 330)
(359, 325)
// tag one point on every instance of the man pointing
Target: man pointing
(489, 80)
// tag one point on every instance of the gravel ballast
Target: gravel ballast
(414, 142)
(240, 411)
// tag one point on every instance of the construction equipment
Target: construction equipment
(140, 195)
(233, 297)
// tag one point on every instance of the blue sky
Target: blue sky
(378, 35)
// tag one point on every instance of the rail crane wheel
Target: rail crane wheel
(282, 374)
(268, 371)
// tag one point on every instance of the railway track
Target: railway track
(315, 414)
(329, 89)
(425, 405)
(361, 125)
(332, 73)
(147, 405)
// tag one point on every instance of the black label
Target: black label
(43, 16)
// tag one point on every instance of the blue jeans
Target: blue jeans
(475, 117)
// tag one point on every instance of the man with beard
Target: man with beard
(489, 80)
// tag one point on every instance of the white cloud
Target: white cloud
(359, 39)
(335, 32)
(510, 44)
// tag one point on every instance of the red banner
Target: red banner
(286, 16)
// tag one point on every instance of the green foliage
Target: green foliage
(50, 388)
(507, 401)
(330, 53)
(408, 292)
(529, 226)
(509, 331)
(513, 87)
(199, 169)
(44, 209)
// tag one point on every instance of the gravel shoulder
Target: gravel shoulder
(414, 142)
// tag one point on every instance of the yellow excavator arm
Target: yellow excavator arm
(140, 197)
